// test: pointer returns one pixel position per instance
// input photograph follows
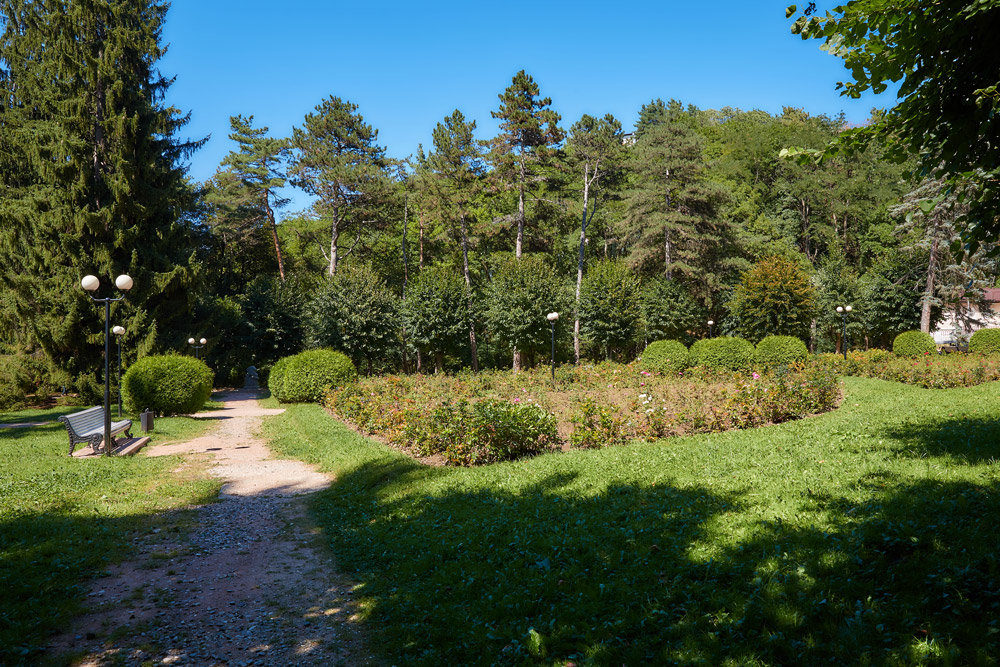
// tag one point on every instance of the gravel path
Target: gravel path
(238, 582)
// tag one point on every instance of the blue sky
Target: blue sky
(409, 64)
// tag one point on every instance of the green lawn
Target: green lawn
(63, 520)
(865, 535)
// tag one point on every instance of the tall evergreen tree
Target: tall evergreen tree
(258, 165)
(456, 166)
(92, 178)
(338, 160)
(529, 131)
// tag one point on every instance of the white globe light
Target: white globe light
(839, 309)
(118, 330)
(552, 317)
(710, 323)
(190, 341)
(123, 282)
(203, 341)
(848, 309)
(90, 283)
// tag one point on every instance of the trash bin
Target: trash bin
(146, 420)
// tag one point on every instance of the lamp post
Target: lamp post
(843, 310)
(710, 323)
(91, 283)
(118, 331)
(192, 341)
(552, 317)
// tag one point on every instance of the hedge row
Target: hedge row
(724, 353)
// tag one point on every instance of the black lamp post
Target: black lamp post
(552, 317)
(91, 283)
(843, 310)
(710, 323)
(118, 331)
(192, 341)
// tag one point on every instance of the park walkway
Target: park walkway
(241, 581)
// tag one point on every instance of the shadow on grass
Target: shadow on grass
(973, 440)
(657, 574)
(39, 415)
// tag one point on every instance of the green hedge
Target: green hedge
(168, 384)
(666, 356)
(727, 352)
(304, 377)
(780, 351)
(985, 341)
(913, 344)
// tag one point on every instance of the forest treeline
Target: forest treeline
(452, 257)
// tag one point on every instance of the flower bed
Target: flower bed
(494, 416)
(933, 371)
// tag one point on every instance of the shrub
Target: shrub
(668, 311)
(168, 384)
(609, 307)
(307, 375)
(913, 344)
(666, 356)
(985, 341)
(728, 352)
(774, 296)
(597, 425)
(780, 351)
(276, 376)
(488, 431)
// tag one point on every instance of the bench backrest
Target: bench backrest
(91, 419)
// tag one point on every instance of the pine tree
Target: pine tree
(338, 160)
(455, 168)
(258, 167)
(529, 132)
(91, 179)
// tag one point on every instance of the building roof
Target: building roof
(992, 294)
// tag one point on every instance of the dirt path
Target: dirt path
(238, 582)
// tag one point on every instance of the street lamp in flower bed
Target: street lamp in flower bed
(194, 343)
(843, 310)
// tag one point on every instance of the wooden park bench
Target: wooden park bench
(88, 427)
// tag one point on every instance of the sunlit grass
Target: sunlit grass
(861, 535)
(63, 520)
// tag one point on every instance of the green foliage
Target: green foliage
(727, 352)
(932, 371)
(780, 351)
(306, 376)
(985, 341)
(597, 425)
(666, 356)
(609, 307)
(435, 312)
(355, 312)
(913, 344)
(169, 384)
(774, 297)
(669, 312)
(519, 296)
(486, 431)
(941, 56)
(92, 180)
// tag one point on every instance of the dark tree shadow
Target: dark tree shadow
(973, 440)
(647, 575)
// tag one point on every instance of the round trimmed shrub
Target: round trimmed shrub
(780, 351)
(167, 384)
(913, 344)
(306, 375)
(985, 341)
(728, 352)
(666, 356)
(276, 376)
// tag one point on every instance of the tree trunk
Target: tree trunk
(274, 234)
(420, 220)
(579, 266)
(439, 362)
(468, 297)
(406, 263)
(334, 237)
(666, 252)
(520, 213)
(517, 360)
(804, 215)
(812, 336)
(925, 306)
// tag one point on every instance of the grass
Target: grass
(64, 520)
(864, 535)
